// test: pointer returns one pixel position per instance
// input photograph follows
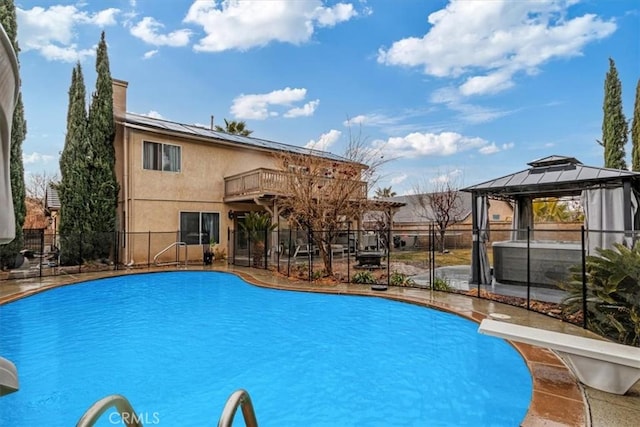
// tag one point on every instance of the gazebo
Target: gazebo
(609, 199)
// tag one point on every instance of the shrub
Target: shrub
(363, 277)
(441, 284)
(613, 293)
(219, 253)
(400, 279)
(319, 274)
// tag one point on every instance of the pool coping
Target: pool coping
(558, 399)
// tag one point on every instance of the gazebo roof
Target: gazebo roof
(553, 175)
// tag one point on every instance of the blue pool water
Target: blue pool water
(178, 344)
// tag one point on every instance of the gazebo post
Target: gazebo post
(475, 262)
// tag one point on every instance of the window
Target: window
(495, 217)
(199, 228)
(159, 157)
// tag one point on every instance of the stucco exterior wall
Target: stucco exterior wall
(156, 198)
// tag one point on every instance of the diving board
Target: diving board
(8, 377)
(603, 365)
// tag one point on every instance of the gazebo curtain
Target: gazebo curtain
(604, 215)
(480, 269)
(522, 218)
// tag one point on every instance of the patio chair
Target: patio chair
(302, 248)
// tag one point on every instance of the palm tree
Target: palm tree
(384, 192)
(255, 226)
(234, 127)
(552, 210)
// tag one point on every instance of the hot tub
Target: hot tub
(549, 261)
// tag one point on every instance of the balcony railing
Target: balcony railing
(268, 182)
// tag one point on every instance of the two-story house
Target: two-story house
(187, 183)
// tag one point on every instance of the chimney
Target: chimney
(119, 97)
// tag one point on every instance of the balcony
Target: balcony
(267, 182)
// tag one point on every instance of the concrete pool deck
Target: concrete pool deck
(558, 399)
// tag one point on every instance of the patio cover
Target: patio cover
(559, 176)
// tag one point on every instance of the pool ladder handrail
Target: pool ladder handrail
(121, 403)
(181, 244)
(239, 397)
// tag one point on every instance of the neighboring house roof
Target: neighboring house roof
(51, 199)
(247, 141)
(552, 175)
(413, 212)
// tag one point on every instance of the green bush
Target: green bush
(441, 284)
(319, 274)
(363, 277)
(613, 293)
(400, 279)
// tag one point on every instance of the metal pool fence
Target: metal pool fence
(543, 269)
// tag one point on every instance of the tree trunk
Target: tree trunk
(442, 243)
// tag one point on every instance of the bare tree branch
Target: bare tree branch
(36, 186)
(323, 194)
(439, 202)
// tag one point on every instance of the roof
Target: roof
(51, 200)
(247, 141)
(553, 175)
(413, 212)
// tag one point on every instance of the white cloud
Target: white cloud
(306, 110)
(153, 114)
(469, 113)
(493, 148)
(373, 119)
(104, 18)
(488, 42)
(418, 144)
(52, 31)
(446, 177)
(330, 16)
(257, 106)
(243, 25)
(325, 140)
(148, 30)
(36, 158)
(398, 179)
(150, 54)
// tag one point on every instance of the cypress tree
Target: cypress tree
(73, 188)
(635, 132)
(614, 124)
(9, 251)
(104, 185)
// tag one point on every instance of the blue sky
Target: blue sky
(465, 89)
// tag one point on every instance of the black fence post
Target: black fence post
(528, 267)
(80, 254)
(266, 251)
(279, 247)
(389, 253)
(289, 254)
(349, 251)
(149, 250)
(309, 256)
(250, 264)
(584, 279)
(41, 250)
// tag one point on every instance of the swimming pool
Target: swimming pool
(178, 344)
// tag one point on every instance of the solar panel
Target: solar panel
(239, 139)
